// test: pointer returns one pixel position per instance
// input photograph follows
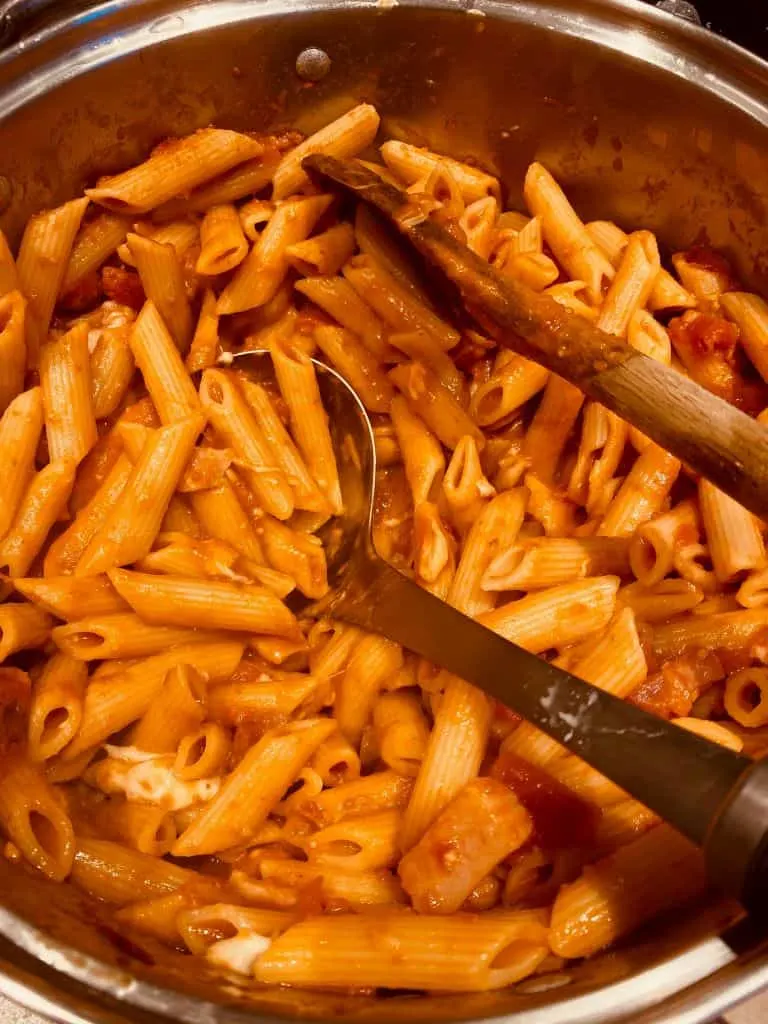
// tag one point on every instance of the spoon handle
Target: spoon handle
(685, 779)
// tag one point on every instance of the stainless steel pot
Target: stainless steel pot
(646, 119)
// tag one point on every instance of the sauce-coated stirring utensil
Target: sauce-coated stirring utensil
(709, 435)
(717, 798)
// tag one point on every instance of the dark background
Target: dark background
(743, 21)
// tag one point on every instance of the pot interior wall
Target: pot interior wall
(629, 143)
(82, 939)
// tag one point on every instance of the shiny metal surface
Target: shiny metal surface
(346, 538)
(645, 119)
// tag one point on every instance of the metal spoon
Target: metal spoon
(717, 798)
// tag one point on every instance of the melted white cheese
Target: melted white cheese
(239, 953)
(152, 780)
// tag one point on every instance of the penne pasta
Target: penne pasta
(300, 556)
(223, 245)
(34, 820)
(232, 418)
(336, 297)
(750, 313)
(733, 534)
(178, 710)
(163, 281)
(377, 792)
(746, 697)
(182, 234)
(434, 403)
(41, 265)
(253, 216)
(244, 179)
(354, 362)
(495, 529)
(112, 368)
(64, 553)
(556, 617)
(170, 388)
(712, 731)
(201, 754)
(656, 871)
(174, 168)
(549, 561)
(22, 626)
(188, 603)
(421, 452)
(654, 546)
(517, 381)
(728, 631)
(365, 843)
(265, 700)
(254, 788)
(309, 422)
(93, 246)
(339, 887)
(667, 292)
(663, 600)
(413, 164)
(261, 273)
(130, 528)
(396, 949)
(565, 233)
(306, 492)
(9, 278)
(204, 350)
(123, 636)
(113, 872)
(112, 703)
(551, 426)
(422, 347)
(371, 663)
(323, 254)
(397, 307)
(705, 282)
(57, 706)
(376, 821)
(483, 824)
(374, 239)
(13, 346)
(71, 597)
(335, 762)
(345, 137)
(224, 518)
(43, 503)
(65, 379)
(632, 285)
(140, 827)
(401, 731)
(452, 759)
(642, 494)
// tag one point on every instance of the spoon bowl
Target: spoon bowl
(355, 449)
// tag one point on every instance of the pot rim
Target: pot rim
(52, 979)
(688, 986)
(741, 78)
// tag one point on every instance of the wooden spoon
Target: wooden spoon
(712, 437)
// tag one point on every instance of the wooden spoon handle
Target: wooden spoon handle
(709, 435)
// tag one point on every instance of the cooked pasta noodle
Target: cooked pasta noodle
(376, 821)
